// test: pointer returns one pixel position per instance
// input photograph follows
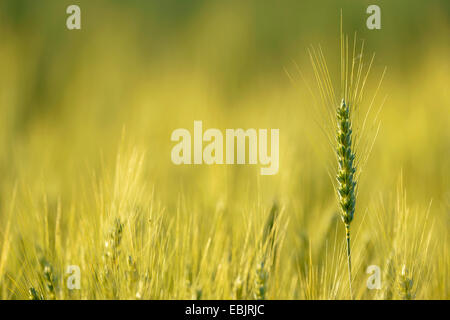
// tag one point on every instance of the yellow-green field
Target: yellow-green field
(87, 180)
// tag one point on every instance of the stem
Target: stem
(349, 259)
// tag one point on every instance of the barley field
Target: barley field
(92, 207)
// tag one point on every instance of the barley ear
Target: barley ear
(405, 284)
(346, 175)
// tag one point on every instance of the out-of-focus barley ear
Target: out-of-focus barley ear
(268, 251)
(238, 287)
(388, 278)
(139, 290)
(142, 285)
(261, 282)
(405, 284)
(49, 282)
(33, 294)
(197, 294)
(132, 274)
(302, 253)
(112, 244)
(270, 224)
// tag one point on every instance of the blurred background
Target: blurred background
(137, 70)
(153, 66)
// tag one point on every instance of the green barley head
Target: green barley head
(346, 168)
